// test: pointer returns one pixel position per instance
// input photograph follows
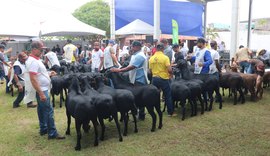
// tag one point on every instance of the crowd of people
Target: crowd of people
(30, 73)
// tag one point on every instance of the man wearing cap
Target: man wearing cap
(137, 69)
(109, 59)
(40, 83)
(160, 67)
(202, 58)
(70, 52)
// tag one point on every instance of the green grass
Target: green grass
(241, 129)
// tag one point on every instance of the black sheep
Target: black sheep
(145, 96)
(82, 109)
(123, 99)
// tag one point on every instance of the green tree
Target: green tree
(95, 13)
(211, 34)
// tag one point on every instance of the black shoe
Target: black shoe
(16, 106)
(57, 137)
(42, 133)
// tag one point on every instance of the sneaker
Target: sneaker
(57, 137)
(172, 115)
(31, 105)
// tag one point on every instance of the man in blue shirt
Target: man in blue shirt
(202, 58)
(137, 69)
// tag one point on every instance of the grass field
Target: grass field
(242, 129)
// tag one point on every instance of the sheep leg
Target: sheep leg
(86, 127)
(157, 107)
(223, 94)
(210, 95)
(205, 101)
(235, 96)
(164, 108)
(192, 107)
(61, 98)
(115, 117)
(68, 121)
(202, 105)
(195, 107)
(241, 95)
(101, 122)
(219, 97)
(79, 135)
(96, 132)
(124, 116)
(183, 105)
(154, 117)
(53, 99)
(135, 123)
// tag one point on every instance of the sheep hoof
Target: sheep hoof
(78, 148)
(67, 132)
(153, 130)
(125, 134)
(101, 138)
(136, 131)
(160, 126)
(121, 139)
(96, 144)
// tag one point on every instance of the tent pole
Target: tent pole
(157, 19)
(205, 18)
(249, 23)
(112, 19)
(234, 28)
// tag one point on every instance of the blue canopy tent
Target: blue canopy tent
(188, 15)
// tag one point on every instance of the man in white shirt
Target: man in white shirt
(109, 59)
(97, 58)
(52, 61)
(214, 67)
(40, 81)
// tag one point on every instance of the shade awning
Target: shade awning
(137, 27)
(68, 26)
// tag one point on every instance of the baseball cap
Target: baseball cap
(111, 42)
(175, 46)
(136, 43)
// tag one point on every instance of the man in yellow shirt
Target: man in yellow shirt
(70, 52)
(160, 67)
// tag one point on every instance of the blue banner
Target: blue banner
(188, 15)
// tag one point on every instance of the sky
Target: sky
(39, 11)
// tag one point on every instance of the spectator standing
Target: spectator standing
(52, 61)
(97, 58)
(242, 57)
(137, 69)
(17, 77)
(167, 49)
(202, 58)
(70, 52)
(214, 67)
(40, 83)
(160, 67)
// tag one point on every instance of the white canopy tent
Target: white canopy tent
(137, 27)
(68, 25)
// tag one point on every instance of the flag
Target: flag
(174, 32)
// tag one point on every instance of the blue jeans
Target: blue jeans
(164, 85)
(45, 116)
(245, 67)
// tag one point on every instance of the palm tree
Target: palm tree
(211, 34)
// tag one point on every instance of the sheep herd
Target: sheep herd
(89, 98)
